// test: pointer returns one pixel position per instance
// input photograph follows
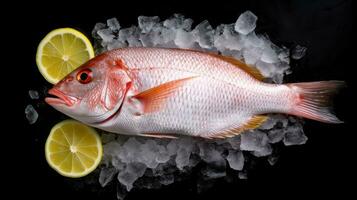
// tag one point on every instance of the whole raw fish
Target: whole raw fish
(170, 92)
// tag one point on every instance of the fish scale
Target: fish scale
(159, 92)
(200, 102)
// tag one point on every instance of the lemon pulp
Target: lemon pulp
(62, 51)
(73, 149)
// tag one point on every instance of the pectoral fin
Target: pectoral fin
(154, 99)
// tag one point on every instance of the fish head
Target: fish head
(93, 92)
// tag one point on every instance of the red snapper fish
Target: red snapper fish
(165, 93)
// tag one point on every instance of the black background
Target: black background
(322, 167)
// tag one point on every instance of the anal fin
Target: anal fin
(252, 123)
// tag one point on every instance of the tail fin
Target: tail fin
(314, 100)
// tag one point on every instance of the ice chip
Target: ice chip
(149, 152)
(182, 158)
(272, 159)
(106, 175)
(252, 55)
(130, 36)
(210, 155)
(178, 22)
(116, 44)
(130, 151)
(172, 147)
(294, 135)
(106, 35)
(283, 55)
(31, 114)
(167, 180)
(132, 172)
(246, 23)
(226, 39)
(162, 155)
(147, 23)
(242, 175)
(97, 27)
(298, 52)
(213, 173)
(269, 55)
(33, 94)
(113, 24)
(257, 142)
(184, 39)
(235, 160)
(276, 135)
(234, 142)
(203, 34)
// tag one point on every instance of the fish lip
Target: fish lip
(60, 98)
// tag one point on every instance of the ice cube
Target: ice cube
(235, 159)
(33, 94)
(269, 55)
(178, 22)
(272, 159)
(256, 141)
(97, 27)
(203, 34)
(242, 175)
(172, 147)
(246, 23)
(31, 114)
(284, 54)
(149, 152)
(234, 142)
(210, 155)
(106, 35)
(276, 135)
(298, 52)
(253, 40)
(210, 172)
(294, 135)
(182, 158)
(252, 55)
(130, 151)
(106, 175)
(147, 23)
(132, 172)
(113, 24)
(131, 36)
(184, 39)
(162, 155)
(115, 44)
(167, 179)
(226, 39)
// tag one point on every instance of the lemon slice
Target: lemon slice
(73, 149)
(62, 51)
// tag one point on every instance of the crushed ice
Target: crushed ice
(31, 114)
(150, 163)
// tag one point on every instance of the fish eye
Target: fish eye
(84, 76)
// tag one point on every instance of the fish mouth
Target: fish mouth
(60, 98)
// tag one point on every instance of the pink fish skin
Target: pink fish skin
(166, 93)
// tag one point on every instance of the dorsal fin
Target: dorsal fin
(252, 123)
(249, 69)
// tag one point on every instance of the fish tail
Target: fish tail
(313, 100)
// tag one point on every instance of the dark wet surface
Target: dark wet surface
(320, 166)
